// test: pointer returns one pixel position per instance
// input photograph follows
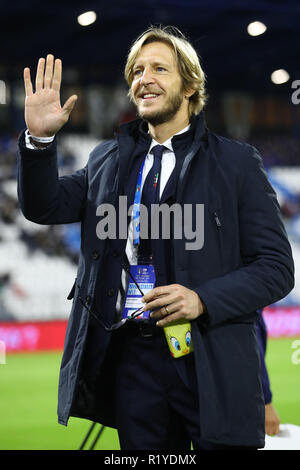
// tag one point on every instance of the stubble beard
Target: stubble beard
(166, 113)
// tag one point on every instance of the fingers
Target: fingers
(57, 75)
(272, 429)
(164, 303)
(166, 310)
(160, 296)
(48, 74)
(168, 314)
(173, 302)
(39, 79)
(69, 104)
(159, 304)
(171, 319)
(49, 71)
(156, 293)
(27, 82)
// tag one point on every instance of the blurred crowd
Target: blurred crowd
(54, 240)
(278, 150)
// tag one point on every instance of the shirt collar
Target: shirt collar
(168, 142)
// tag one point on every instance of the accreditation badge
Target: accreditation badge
(144, 276)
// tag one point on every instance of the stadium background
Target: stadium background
(38, 263)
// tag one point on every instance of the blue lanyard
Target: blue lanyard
(136, 206)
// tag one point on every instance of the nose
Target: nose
(146, 77)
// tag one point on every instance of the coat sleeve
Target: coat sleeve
(44, 197)
(261, 333)
(267, 271)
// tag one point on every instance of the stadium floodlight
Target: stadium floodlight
(3, 92)
(87, 18)
(280, 76)
(256, 28)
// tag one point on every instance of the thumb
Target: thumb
(69, 104)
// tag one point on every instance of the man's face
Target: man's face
(157, 85)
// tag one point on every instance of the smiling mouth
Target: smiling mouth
(149, 96)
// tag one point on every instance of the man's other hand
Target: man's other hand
(173, 302)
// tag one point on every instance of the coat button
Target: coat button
(88, 299)
(115, 253)
(95, 254)
(110, 292)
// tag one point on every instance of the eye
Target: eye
(188, 338)
(137, 72)
(160, 69)
(175, 343)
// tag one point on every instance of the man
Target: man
(127, 378)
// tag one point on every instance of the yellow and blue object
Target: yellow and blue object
(179, 338)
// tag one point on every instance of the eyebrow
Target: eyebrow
(163, 64)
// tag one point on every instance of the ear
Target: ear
(188, 93)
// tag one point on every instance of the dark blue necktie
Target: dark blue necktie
(150, 195)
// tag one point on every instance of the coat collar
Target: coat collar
(138, 129)
(133, 138)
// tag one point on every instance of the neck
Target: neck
(166, 130)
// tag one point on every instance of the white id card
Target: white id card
(144, 276)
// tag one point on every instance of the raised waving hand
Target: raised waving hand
(44, 115)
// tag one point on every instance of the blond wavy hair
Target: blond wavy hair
(188, 62)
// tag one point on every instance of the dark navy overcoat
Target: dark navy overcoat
(245, 264)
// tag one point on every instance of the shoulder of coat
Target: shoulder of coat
(104, 149)
(230, 149)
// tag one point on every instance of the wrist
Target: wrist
(38, 143)
(41, 140)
